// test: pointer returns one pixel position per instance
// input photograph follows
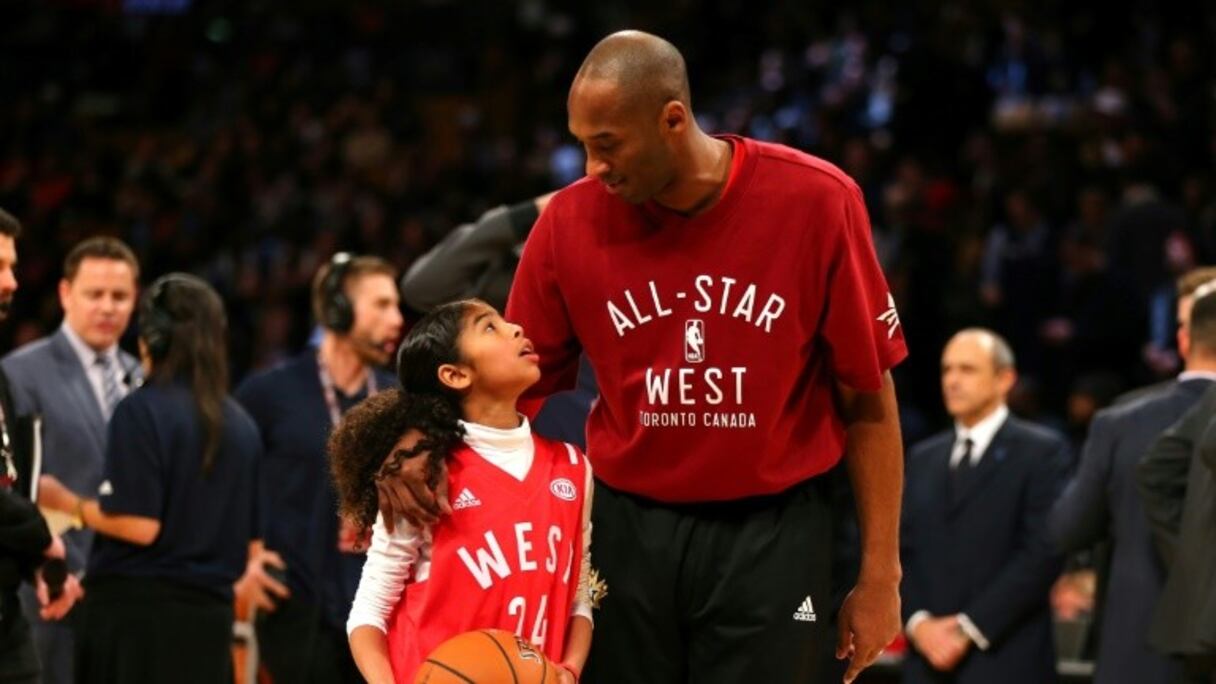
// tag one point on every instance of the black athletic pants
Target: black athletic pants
(724, 592)
(18, 658)
(134, 630)
(297, 645)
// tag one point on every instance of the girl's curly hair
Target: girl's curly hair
(369, 431)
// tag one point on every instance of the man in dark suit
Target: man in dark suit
(1101, 502)
(73, 379)
(25, 541)
(978, 565)
(1178, 489)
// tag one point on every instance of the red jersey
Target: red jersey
(508, 557)
(716, 340)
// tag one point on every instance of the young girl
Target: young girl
(514, 552)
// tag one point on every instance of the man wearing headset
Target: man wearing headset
(303, 573)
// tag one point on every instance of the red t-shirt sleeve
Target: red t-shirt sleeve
(536, 303)
(861, 329)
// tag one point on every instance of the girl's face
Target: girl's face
(496, 357)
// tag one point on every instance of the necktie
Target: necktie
(961, 472)
(110, 391)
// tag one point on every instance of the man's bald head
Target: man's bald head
(977, 374)
(644, 68)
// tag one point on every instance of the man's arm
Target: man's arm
(1026, 579)
(1161, 475)
(1207, 445)
(23, 532)
(465, 263)
(869, 618)
(1081, 516)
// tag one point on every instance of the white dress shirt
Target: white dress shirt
(981, 435)
(88, 357)
(394, 557)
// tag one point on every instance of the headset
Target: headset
(337, 313)
(155, 321)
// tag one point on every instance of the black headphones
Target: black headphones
(337, 313)
(155, 321)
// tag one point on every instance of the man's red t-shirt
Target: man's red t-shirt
(717, 340)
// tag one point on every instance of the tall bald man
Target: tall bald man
(979, 564)
(727, 295)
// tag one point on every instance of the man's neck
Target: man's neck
(1200, 363)
(344, 365)
(971, 421)
(703, 175)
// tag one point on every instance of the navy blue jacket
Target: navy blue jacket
(1102, 503)
(985, 552)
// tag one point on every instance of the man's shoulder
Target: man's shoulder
(1032, 435)
(385, 378)
(276, 378)
(800, 167)
(239, 417)
(1032, 431)
(1166, 398)
(931, 444)
(31, 353)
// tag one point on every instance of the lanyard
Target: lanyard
(327, 388)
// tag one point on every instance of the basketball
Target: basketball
(486, 656)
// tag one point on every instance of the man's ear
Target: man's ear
(455, 376)
(673, 118)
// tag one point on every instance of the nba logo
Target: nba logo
(694, 341)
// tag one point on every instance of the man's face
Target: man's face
(378, 322)
(8, 278)
(97, 303)
(625, 148)
(971, 385)
(1185, 304)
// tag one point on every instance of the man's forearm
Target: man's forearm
(874, 458)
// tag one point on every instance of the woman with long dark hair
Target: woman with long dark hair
(175, 512)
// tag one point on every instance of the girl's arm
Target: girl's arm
(578, 633)
(135, 529)
(390, 561)
(370, 649)
(578, 645)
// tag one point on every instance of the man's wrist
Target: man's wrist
(972, 632)
(880, 567)
(915, 621)
(78, 512)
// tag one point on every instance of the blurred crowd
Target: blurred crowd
(1042, 170)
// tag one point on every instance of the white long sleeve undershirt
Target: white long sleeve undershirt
(393, 558)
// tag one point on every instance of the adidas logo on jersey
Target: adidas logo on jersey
(465, 500)
(805, 612)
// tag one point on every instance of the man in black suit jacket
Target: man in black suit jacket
(25, 541)
(1177, 480)
(978, 565)
(1101, 502)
